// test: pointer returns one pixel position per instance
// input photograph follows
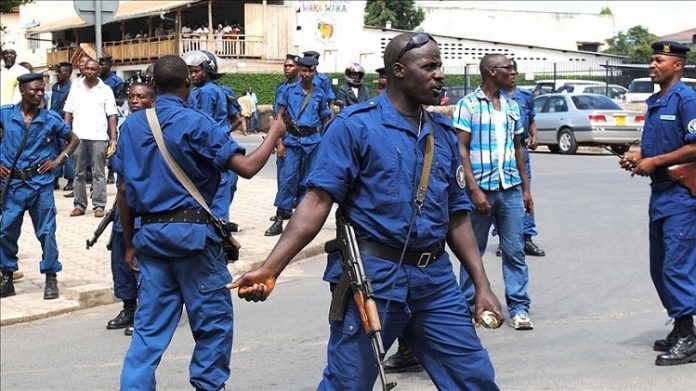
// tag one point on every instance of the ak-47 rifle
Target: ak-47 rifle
(684, 173)
(105, 221)
(351, 261)
(290, 125)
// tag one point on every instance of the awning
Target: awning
(126, 10)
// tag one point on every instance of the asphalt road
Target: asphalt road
(593, 305)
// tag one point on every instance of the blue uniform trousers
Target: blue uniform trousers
(529, 222)
(42, 210)
(673, 262)
(292, 173)
(165, 285)
(125, 285)
(508, 209)
(435, 321)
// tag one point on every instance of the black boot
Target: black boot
(129, 330)
(663, 345)
(285, 214)
(684, 350)
(51, 288)
(276, 228)
(110, 178)
(7, 285)
(69, 186)
(499, 252)
(530, 248)
(124, 318)
(402, 361)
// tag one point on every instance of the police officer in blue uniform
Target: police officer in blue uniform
(322, 80)
(525, 101)
(305, 104)
(28, 179)
(291, 71)
(176, 250)
(370, 162)
(669, 138)
(59, 93)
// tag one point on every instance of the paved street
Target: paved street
(593, 304)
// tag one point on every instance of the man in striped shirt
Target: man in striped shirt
(490, 146)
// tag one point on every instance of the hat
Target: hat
(9, 46)
(308, 62)
(311, 53)
(670, 48)
(27, 77)
(65, 64)
(382, 72)
(105, 59)
(292, 57)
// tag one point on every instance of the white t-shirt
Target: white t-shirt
(500, 134)
(90, 108)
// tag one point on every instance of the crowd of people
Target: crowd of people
(472, 173)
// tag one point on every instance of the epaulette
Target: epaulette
(525, 91)
(54, 114)
(367, 105)
(7, 107)
(685, 92)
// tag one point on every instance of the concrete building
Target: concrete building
(30, 48)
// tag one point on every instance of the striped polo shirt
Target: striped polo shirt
(492, 148)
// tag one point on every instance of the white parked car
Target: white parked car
(549, 86)
(613, 91)
(640, 89)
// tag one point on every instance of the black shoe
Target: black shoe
(110, 178)
(69, 186)
(682, 352)
(402, 361)
(285, 214)
(129, 330)
(663, 345)
(276, 228)
(51, 288)
(7, 285)
(530, 248)
(69, 195)
(499, 252)
(122, 320)
(56, 185)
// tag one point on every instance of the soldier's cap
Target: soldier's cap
(292, 57)
(65, 64)
(105, 59)
(311, 53)
(309, 62)
(670, 48)
(27, 77)
(382, 72)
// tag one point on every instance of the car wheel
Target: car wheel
(566, 142)
(620, 149)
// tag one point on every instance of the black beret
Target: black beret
(311, 53)
(382, 72)
(105, 59)
(65, 64)
(27, 77)
(292, 58)
(308, 62)
(670, 48)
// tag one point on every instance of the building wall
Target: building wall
(31, 51)
(488, 21)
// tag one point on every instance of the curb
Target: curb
(92, 295)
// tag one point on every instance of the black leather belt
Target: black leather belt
(196, 216)
(25, 174)
(660, 175)
(416, 258)
(303, 131)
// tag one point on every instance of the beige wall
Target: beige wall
(35, 55)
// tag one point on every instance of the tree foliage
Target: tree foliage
(633, 43)
(7, 5)
(403, 14)
(606, 11)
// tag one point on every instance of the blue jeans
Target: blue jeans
(507, 207)
(529, 222)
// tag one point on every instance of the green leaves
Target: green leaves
(401, 13)
(634, 43)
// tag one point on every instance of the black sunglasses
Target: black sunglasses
(416, 41)
(508, 67)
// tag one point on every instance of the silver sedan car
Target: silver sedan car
(565, 121)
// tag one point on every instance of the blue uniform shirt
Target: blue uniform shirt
(670, 123)
(212, 100)
(232, 105)
(324, 83)
(58, 97)
(525, 101)
(115, 83)
(200, 147)
(316, 109)
(370, 160)
(280, 90)
(40, 146)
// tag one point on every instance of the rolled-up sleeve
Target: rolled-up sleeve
(688, 119)
(461, 118)
(212, 142)
(336, 165)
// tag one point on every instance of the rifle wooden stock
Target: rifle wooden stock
(685, 174)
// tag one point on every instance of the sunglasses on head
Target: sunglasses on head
(416, 41)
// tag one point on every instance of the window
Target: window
(556, 104)
(594, 102)
(539, 104)
(33, 42)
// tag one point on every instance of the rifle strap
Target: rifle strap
(427, 163)
(339, 298)
(304, 103)
(178, 172)
(22, 144)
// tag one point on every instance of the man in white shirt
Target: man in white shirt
(92, 110)
(9, 71)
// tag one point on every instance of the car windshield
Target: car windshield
(594, 102)
(641, 87)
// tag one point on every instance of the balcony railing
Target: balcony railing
(227, 46)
